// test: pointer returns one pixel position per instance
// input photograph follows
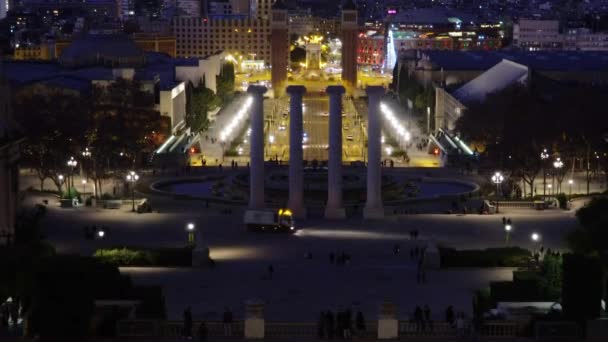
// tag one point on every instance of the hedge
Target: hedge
(136, 256)
(491, 257)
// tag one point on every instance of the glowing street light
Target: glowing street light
(508, 229)
(84, 186)
(191, 229)
(557, 164)
(497, 179)
(132, 178)
(570, 182)
(544, 155)
(101, 234)
(72, 164)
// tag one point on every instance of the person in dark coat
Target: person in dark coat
(360, 322)
(227, 319)
(329, 324)
(203, 332)
(188, 323)
(321, 325)
(427, 317)
(348, 324)
(449, 315)
(418, 319)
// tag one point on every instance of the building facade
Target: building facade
(536, 35)
(247, 36)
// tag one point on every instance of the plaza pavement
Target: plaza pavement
(300, 288)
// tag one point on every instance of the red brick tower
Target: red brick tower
(350, 31)
(280, 47)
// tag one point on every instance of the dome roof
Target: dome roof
(106, 49)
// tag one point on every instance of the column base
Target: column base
(335, 213)
(373, 213)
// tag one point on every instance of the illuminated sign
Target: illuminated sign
(392, 11)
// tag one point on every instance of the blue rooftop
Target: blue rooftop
(539, 60)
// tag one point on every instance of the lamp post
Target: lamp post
(190, 229)
(61, 179)
(72, 163)
(570, 182)
(428, 120)
(84, 186)
(536, 240)
(558, 164)
(497, 178)
(550, 186)
(544, 155)
(508, 228)
(132, 178)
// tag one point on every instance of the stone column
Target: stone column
(296, 181)
(256, 155)
(334, 208)
(373, 205)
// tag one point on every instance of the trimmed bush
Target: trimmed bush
(491, 257)
(133, 256)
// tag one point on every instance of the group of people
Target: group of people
(339, 325)
(341, 259)
(203, 330)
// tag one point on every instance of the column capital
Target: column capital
(257, 90)
(296, 90)
(335, 90)
(374, 91)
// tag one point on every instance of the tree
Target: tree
(581, 287)
(225, 81)
(122, 126)
(591, 238)
(54, 124)
(200, 101)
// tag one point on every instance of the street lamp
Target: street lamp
(61, 179)
(570, 182)
(508, 228)
(497, 178)
(544, 155)
(72, 163)
(557, 164)
(84, 186)
(550, 186)
(535, 239)
(190, 228)
(132, 177)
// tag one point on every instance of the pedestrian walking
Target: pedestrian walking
(418, 319)
(187, 333)
(449, 316)
(203, 332)
(427, 317)
(360, 323)
(460, 326)
(504, 220)
(321, 326)
(227, 322)
(348, 324)
(329, 324)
